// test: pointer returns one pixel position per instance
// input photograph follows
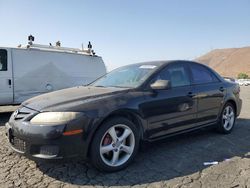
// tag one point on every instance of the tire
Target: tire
(227, 119)
(115, 145)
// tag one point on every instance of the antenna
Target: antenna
(89, 45)
(31, 39)
(58, 43)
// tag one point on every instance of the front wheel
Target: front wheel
(227, 119)
(114, 145)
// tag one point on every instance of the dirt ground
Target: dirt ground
(176, 162)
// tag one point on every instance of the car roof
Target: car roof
(160, 63)
(163, 63)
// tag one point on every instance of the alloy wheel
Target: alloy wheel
(228, 118)
(117, 145)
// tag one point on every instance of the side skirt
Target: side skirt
(181, 132)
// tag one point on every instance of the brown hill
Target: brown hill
(228, 62)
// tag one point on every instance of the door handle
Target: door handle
(191, 94)
(9, 82)
(222, 89)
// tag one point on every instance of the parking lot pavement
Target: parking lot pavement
(176, 162)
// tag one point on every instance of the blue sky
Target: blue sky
(129, 31)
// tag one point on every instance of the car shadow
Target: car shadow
(4, 117)
(160, 161)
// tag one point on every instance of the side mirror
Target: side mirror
(160, 85)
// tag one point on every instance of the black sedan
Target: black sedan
(107, 120)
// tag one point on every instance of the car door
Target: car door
(171, 110)
(209, 92)
(6, 89)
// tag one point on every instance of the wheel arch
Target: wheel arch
(125, 113)
(231, 101)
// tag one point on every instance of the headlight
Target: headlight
(54, 117)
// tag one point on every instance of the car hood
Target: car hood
(67, 98)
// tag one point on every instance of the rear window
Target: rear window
(3, 60)
(202, 75)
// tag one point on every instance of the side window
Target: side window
(202, 75)
(3, 60)
(176, 73)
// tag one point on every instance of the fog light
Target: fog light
(49, 150)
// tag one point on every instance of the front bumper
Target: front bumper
(45, 142)
(239, 106)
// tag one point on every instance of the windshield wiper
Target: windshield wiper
(112, 86)
(99, 86)
(120, 86)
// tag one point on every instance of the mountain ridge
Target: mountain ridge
(228, 61)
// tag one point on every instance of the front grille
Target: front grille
(18, 144)
(22, 113)
(49, 150)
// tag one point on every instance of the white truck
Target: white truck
(36, 69)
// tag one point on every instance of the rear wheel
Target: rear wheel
(114, 145)
(227, 119)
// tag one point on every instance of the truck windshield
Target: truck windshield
(130, 76)
(3, 60)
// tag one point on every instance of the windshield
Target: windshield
(130, 76)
